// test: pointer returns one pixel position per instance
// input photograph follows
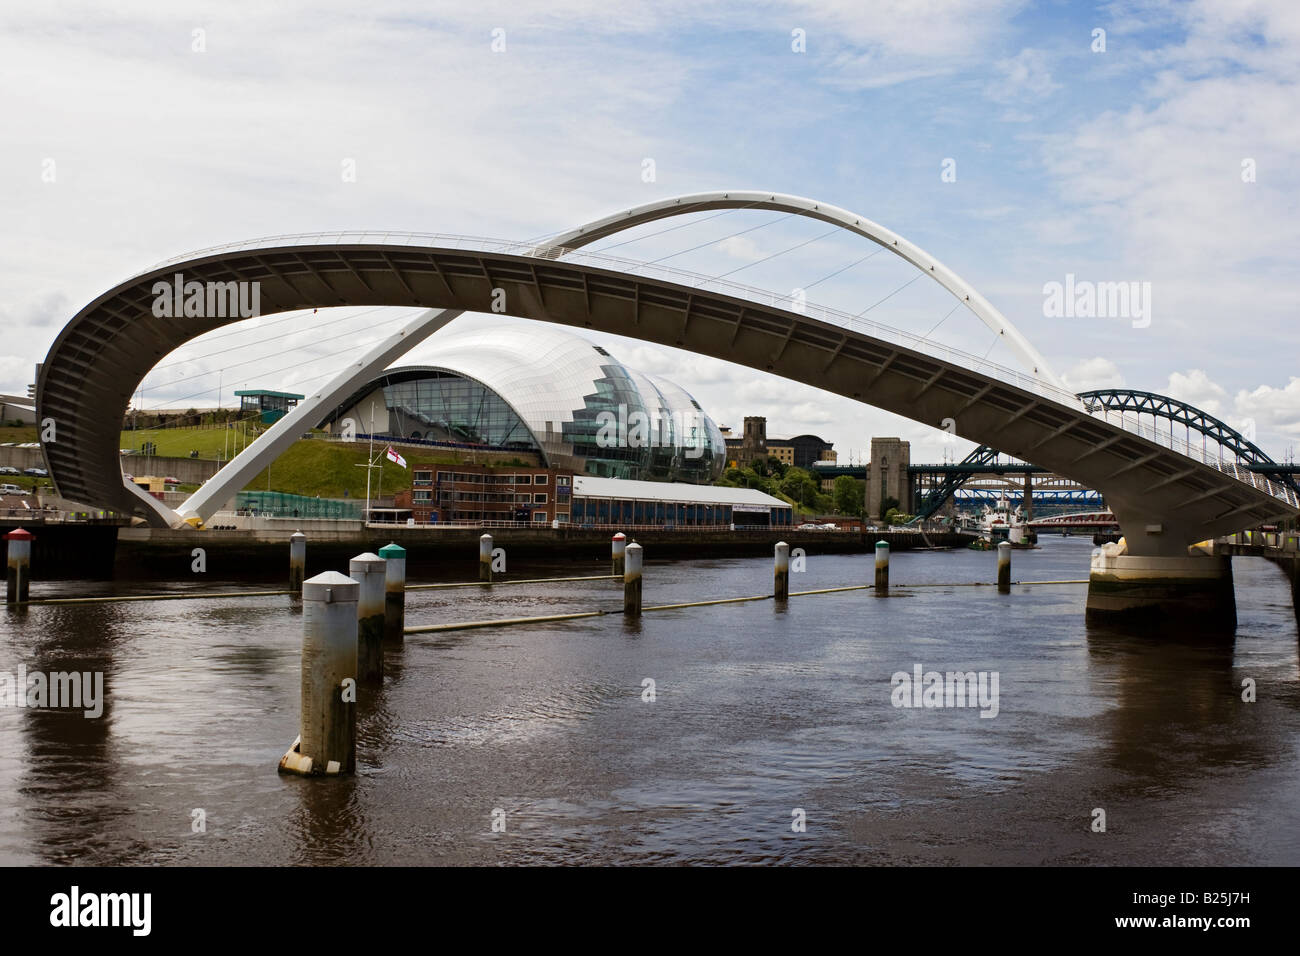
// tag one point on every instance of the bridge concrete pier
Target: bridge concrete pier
(1192, 592)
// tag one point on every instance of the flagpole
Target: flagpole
(370, 460)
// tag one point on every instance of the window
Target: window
(422, 477)
(562, 517)
(562, 481)
(539, 479)
(420, 496)
(523, 479)
(539, 499)
(539, 515)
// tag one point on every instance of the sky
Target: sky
(1018, 142)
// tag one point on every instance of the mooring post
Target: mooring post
(882, 567)
(297, 562)
(1004, 567)
(18, 576)
(485, 559)
(394, 556)
(618, 544)
(368, 570)
(781, 572)
(327, 742)
(632, 580)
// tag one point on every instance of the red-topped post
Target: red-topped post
(618, 546)
(19, 573)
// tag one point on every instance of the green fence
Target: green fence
(277, 504)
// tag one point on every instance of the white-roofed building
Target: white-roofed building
(618, 501)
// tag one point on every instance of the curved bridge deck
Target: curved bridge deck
(1164, 492)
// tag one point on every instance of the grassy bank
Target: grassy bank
(20, 433)
(213, 443)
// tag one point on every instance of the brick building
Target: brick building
(457, 493)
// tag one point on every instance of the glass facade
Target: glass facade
(600, 430)
(537, 388)
(445, 407)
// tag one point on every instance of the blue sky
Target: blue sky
(1122, 165)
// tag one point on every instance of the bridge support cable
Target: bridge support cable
(347, 350)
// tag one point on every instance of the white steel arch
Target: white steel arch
(205, 502)
(984, 310)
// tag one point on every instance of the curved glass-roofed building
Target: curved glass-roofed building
(547, 391)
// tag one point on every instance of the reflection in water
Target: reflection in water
(1168, 694)
(327, 826)
(757, 710)
(65, 745)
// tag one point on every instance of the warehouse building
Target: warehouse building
(467, 494)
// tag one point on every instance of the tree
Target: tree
(847, 494)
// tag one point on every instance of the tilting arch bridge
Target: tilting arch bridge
(1165, 493)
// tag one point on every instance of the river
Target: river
(759, 712)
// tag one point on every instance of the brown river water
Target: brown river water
(759, 712)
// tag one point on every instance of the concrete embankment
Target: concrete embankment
(75, 549)
(152, 552)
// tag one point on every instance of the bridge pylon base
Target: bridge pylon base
(1165, 594)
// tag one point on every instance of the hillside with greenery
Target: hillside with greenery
(308, 467)
(797, 486)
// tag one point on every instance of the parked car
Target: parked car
(36, 472)
(9, 470)
(11, 490)
(169, 480)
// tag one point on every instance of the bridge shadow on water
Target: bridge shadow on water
(1185, 704)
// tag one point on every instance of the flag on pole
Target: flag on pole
(394, 456)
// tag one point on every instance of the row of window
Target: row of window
(538, 498)
(460, 477)
(424, 517)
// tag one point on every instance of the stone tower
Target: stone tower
(754, 442)
(887, 476)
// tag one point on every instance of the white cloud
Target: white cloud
(741, 247)
(1195, 388)
(1273, 409)
(1094, 373)
(1024, 77)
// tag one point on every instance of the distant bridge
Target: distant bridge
(1090, 520)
